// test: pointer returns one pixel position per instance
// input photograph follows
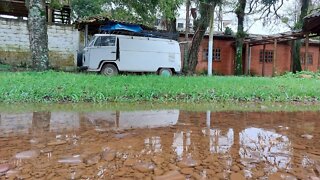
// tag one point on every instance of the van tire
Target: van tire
(109, 70)
(165, 72)
(79, 59)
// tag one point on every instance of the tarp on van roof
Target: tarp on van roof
(114, 26)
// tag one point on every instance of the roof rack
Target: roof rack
(145, 33)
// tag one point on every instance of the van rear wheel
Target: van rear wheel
(109, 70)
(165, 72)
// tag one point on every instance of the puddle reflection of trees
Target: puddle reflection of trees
(219, 142)
(152, 145)
(262, 146)
(181, 143)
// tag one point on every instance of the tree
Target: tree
(168, 9)
(266, 8)
(297, 43)
(293, 18)
(86, 8)
(240, 12)
(38, 37)
(186, 45)
(138, 11)
(206, 8)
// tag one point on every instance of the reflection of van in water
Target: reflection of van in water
(134, 119)
(111, 54)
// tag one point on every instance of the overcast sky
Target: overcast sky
(255, 27)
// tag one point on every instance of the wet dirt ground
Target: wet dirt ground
(160, 144)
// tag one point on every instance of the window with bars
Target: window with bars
(216, 54)
(310, 58)
(268, 55)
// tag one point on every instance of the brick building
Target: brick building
(224, 55)
(284, 58)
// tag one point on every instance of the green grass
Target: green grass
(33, 87)
(4, 67)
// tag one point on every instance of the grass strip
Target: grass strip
(53, 87)
(146, 106)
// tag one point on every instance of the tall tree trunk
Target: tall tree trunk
(240, 37)
(38, 37)
(297, 43)
(296, 67)
(206, 13)
(172, 25)
(186, 46)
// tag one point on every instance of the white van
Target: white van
(111, 54)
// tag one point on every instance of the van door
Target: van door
(104, 48)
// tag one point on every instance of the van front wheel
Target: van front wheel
(109, 70)
(165, 72)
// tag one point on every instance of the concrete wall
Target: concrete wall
(14, 43)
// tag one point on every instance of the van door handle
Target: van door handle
(113, 52)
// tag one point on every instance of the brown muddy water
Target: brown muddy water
(160, 144)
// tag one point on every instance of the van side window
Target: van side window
(105, 41)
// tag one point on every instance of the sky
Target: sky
(254, 26)
(251, 25)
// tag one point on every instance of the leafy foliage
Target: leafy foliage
(228, 31)
(169, 8)
(85, 8)
(144, 11)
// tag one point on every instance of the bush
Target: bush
(228, 31)
(302, 74)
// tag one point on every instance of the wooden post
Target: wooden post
(263, 58)
(306, 53)
(86, 35)
(247, 59)
(186, 46)
(274, 71)
(187, 19)
(291, 59)
(50, 15)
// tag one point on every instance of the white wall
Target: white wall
(14, 43)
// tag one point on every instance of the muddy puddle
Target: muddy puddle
(160, 144)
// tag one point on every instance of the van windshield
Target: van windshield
(105, 41)
(92, 41)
